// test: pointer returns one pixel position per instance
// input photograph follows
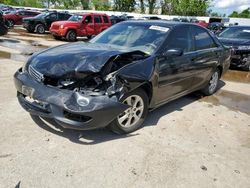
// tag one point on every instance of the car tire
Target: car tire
(212, 85)
(247, 68)
(132, 118)
(11, 23)
(40, 29)
(71, 36)
(57, 37)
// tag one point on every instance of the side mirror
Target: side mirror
(173, 52)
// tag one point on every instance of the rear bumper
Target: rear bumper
(62, 105)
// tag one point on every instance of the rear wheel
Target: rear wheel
(247, 68)
(71, 36)
(212, 86)
(40, 28)
(132, 118)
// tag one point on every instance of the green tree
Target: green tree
(124, 5)
(142, 6)
(101, 4)
(244, 14)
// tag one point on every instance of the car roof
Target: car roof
(86, 13)
(164, 23)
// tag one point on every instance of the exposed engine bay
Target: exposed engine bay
(99, 83)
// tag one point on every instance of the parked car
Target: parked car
(3, 27)
(202, 23)
(42, 22)
(16, 17)
(121, 73)
(80, 25)
(216, 27)
(117, 19)
(238, 38)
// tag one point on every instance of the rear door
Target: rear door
(175, 73)
(98, 24)
(106, 22)
(207, 56)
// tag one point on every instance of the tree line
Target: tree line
(180, 7)
(166, 7)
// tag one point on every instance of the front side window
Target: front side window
(53, 17)
(180, 38)
(202, 39)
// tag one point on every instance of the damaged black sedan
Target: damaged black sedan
(238, 38)
(120, 74)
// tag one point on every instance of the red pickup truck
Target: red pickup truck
(16, 18)
(80, 25)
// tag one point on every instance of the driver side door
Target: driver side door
(87, 28)
(176, 72)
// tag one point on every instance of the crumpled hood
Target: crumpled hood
(72, 58)
(234, 42)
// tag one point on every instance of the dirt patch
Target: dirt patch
(237, 76)
(233, 100)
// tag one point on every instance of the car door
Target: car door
(20, 15)
(175, 72)
(87, 27)
(50, 19)
(207, 55)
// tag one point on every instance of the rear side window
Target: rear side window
(105, 19)
(180, 37)
(202, 39)
(97, 19)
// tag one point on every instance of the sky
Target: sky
(228, 6)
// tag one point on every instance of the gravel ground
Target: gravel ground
(190, 142)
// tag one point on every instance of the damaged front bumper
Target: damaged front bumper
(68, 108)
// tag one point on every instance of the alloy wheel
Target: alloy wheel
(213, 82)
(131, 116)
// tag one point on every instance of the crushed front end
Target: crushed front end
(79, 93)
(241, 57)
(69, 108)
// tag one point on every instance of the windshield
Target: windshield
(234, 32)
(42, 15)
(75, 18)
(131, 36)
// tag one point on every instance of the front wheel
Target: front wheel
(247, 68)
(212, 86)
(132, 118)
(40, 29)
(71, 36)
